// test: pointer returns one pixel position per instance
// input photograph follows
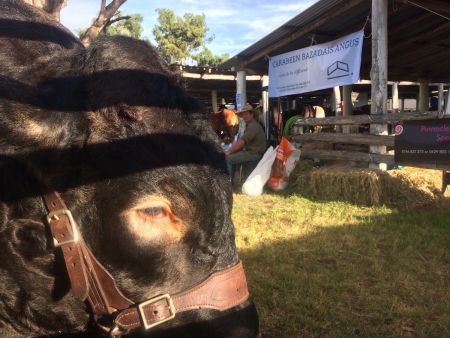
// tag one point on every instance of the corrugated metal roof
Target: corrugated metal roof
(418, 37)
(302, 19)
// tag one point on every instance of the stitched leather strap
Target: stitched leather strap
(88, 278)
(64, 235)
(91, 281)
(221, 291)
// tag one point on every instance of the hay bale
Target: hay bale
(408, 188)
(411, 188)
(357, 186)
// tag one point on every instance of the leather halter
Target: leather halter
(91, 282)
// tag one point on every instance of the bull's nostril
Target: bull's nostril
(155, 312)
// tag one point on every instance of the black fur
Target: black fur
(104, 126)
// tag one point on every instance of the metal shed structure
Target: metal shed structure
(213, 86)
(404, 40)
(418, 37)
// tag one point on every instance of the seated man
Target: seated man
(250, 146)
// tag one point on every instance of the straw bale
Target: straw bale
(412, 187)
(406, 188)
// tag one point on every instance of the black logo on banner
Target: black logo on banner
(338, 69)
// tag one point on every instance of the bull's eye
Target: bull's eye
(152, 220)
(155, 212)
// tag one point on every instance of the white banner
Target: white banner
(334, 63)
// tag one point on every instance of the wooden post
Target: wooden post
(378, 73)
(336, 105)
(395, 106)
(265, 100)
(241, 90)
(336, 101)
(440, 97)
(214, 100)
(348, 105)
(279, 119)
(424, 99)
(447, 103)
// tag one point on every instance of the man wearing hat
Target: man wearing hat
(250, 146)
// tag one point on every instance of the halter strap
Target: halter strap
(91, 282)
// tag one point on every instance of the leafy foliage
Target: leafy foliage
(129, 26)
(120, 24)
(179, 38)
(205, 58)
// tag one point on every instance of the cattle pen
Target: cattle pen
(403, 42)
(357, 138)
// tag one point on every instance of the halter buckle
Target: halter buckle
(54, 215)
(152, 301)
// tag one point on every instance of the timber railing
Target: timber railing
(353, 138)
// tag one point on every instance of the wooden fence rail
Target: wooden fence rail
(382, 140)
(365, 119)
(354, 139)
(343, 155)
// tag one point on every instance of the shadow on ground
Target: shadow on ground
(386, 278)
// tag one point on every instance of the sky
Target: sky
(235, 25)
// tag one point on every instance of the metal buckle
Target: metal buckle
(154, 300)
(53, 215)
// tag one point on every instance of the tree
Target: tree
(128, 25)
(53, 7)
(102, 20)
(179, 38)
(205, 58)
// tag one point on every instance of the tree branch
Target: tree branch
(53, 7)
(110, 22)
(105, 15)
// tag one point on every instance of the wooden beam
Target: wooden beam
(423, 37)
(425, 58)
(436, 6)
(366, 119)
(382, 140)
(301, 31)
(347, 156)
(406, 24)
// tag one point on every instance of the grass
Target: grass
(332, 269)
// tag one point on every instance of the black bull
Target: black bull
(136, 162)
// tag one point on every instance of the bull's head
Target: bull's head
(137, 165)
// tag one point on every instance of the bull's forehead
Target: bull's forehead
(123, 120)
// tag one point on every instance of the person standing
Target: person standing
(250, 146)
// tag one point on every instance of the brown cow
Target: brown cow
(225, 123)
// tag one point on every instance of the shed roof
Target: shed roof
(418, 37)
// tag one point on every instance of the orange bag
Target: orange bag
(285, 161)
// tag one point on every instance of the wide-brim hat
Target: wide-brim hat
(246, 107)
